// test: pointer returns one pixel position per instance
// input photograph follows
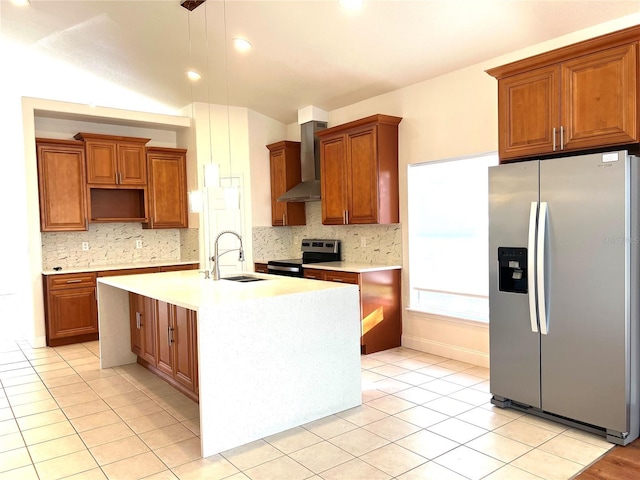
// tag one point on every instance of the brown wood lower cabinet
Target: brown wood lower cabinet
(164, 337)
(71, 311)
(380, 313)
(260, 268)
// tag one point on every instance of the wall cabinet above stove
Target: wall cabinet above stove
(359, 172)
(284, 160)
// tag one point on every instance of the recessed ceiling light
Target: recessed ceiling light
(20, 3)
(351, 4)
(193, 75)
(241, 44)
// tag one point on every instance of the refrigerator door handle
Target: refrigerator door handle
(540, 268)
(531, 261)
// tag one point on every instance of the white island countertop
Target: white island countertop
(272, 354)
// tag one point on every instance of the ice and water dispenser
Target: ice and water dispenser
(512, 270)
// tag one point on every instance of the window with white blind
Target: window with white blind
(448, 237)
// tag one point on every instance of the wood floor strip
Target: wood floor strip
(620, 463)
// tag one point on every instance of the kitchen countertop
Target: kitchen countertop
(119, 266)
(191, 290)
(353, 267)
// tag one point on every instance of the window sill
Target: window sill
(440, 316)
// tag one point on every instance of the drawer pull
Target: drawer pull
(74, 281)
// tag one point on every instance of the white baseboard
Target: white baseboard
(445, 350)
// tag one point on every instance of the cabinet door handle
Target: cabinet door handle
(169, 335)
(74, 281)
(346, 213)
(284, 219)
(138, 324)
(561, 137)
(312, 276)
(337, 280)
(554, 139)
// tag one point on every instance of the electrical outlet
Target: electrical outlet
(363, 242)
(138, 243)
(85, 246)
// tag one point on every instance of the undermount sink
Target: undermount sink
(243, 278)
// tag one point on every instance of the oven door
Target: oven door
(287, 270)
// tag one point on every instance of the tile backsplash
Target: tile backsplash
(115, 243)
(383, 242)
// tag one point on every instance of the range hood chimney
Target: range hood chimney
(309, 189)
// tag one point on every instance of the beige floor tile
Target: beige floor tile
(469, 395)
(164, 436)
(193, 424)
(417, 395)
(150, 422)
(179, 453)
(524, 432)
(282, 467)
(329, 427)
(138, 409)
(34, 408)
(95, 420)
(21, 380)
(369, 394)
(4, 402)
(177, 400)
(544, 423)
(597, 440)
(499, 447)
(8, 375)
(464, 379)
(456, 365)
(362, 415)
(369, 378)
(9, 426)
(391, 385)
(215, 467)
(88, 372)
(358, 442)
(393, 459)
(509, 472)
(49, 366)
(140, 466)
(469, 463)
(124, 399)
(391, 404)
(321, 456)
(48, 432)
(30, 397)
(457, 430)
(6, 414)
(480, 417)
(65, 466)
(93, 474)
(118, 450)
(70, 389)
(27, 472)
(61, 381)
(251, 454)
(113, 390)
(164, 475)
(84, 360)
(546, 465)
(25, 388)
(77, 398)
(441, 387)
(294, 439)
(185, 412)
(389, 370)
(573, 449)
(436, 371)
(414, 378)
(82, 409)
(482, 387)
(433, 471)
(6, 366)
(392, 428)
(367, 363)
(354, 469)
(11, 441)
(427, 444)
(41, 419)
(109, 433)
(57, 373)
(58, 447)
(13, 459)
(448, 406)
(421, 416)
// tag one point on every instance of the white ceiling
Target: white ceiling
(307, 52)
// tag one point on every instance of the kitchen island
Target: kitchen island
(272, 354)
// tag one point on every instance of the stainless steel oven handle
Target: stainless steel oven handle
(283, 269)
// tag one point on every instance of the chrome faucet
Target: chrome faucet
(216, 257)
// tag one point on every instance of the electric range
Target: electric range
(313, 251)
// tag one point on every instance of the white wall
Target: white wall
(450, 116)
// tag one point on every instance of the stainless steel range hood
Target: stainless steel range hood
(309, 189)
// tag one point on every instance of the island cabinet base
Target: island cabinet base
(169, 379)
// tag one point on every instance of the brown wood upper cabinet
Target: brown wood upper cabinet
(167, 187)
(359, 171)
(61, 184)
(115, 160)
(286, 173)
(580, 97)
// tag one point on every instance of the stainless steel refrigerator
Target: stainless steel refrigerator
(563, 292)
